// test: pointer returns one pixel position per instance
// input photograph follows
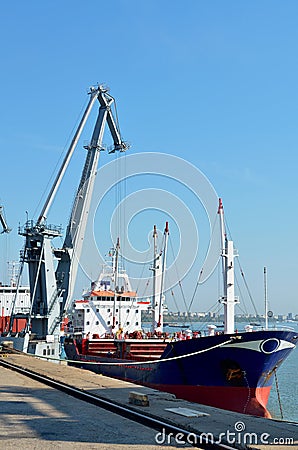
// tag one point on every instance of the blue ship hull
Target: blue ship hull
(233, 372)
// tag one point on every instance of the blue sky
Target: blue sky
(212, 82)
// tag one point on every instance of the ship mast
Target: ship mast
(265, 298)
(159, 268)
(227, 253)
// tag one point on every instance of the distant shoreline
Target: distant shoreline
(146, 317)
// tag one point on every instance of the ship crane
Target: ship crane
(5, 227)
(52, 289)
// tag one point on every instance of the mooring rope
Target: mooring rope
(248, 395)
(278, 394)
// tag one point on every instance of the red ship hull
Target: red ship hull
(17, 326)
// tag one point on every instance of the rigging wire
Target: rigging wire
(6, 253)
(248, 290)
(240, 295)
(243, 276)
(117, 196)
(124, 197)
(145, 289)
(5, 230)
(141, 276)
(202, 269)
(244, 311)
(121, 180)
(174, 299)
(215, 308)
(178, 278)
(120, 195)
(18, 283)
(196, 288)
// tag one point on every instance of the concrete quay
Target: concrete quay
(67, 421)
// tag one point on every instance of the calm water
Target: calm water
(288, 389)
(287, 382)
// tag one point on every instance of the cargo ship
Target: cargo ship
(228, 369)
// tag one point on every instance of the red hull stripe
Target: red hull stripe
(243, 400)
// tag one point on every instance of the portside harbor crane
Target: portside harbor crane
(52, 289)
(5, 227)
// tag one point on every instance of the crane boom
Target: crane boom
(5, 227)
(59, 177)
(68, 265)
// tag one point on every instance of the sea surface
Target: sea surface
(288, 389)
(287, 381)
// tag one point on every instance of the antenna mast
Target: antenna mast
(159, 268)
(265, 296)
